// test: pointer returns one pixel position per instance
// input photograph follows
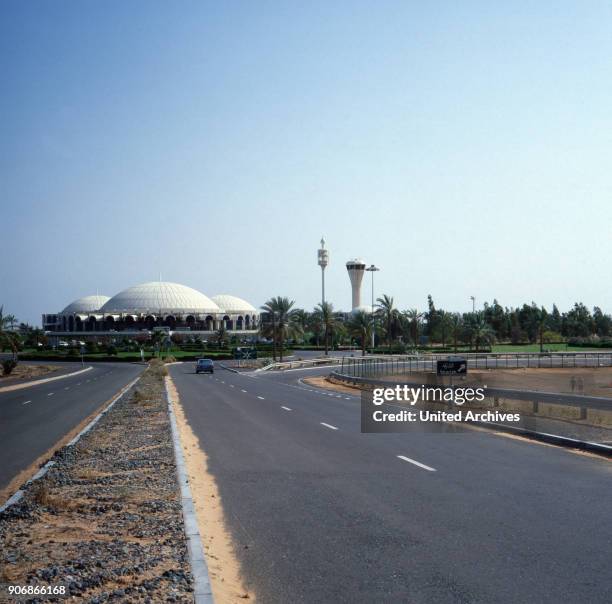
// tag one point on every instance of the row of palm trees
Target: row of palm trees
(284, 322)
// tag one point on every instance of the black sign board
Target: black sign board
(245, 353)
(454, 367)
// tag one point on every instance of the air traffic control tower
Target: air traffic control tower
(355, 270)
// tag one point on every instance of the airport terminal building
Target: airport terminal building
(149, 306)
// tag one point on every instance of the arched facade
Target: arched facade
(156, 305)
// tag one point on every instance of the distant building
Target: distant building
(158, 304)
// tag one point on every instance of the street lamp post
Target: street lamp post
(473, 299)
(372, 269)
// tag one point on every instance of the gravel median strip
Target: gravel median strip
(106, 520)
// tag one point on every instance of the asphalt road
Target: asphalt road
(322, 513)
(34, 419)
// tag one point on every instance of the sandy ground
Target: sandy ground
(223, 566)
(27, 372)
(581, 380)
(323, 382)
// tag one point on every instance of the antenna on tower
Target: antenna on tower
(323, 256)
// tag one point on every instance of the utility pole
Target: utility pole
(473, 299)
(372, 269)
(323, 262)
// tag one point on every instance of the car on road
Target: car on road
(204, 366)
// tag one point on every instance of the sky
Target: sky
(464, 148)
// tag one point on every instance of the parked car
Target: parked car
(204, 366)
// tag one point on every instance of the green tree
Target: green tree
(389, 317)
(326, 317)
(283, 325)
(413, 318)
(480, 331)
(360, 326)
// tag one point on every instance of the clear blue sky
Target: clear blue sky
(465, 147)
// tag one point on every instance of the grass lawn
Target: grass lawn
(536, 348)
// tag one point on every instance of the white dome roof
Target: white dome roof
(160, 297)
(85, 304)
(233, 304)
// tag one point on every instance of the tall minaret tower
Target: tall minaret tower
(355, 270)
(323, 262)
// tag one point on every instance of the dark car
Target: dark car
(205, 366)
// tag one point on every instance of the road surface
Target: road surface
(322, 513)
(34, 419)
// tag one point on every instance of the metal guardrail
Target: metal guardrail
(301, 364)
(402, 365)
(566, 399)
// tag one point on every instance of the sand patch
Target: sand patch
(324, 382)
(223, 566)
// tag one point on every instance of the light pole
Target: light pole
(372, 269)
(473, 299)
(323, 262)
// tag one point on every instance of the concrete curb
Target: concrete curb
(43, 381)
(552, 439)
(228, 368)
(19, 494)
(199, 567)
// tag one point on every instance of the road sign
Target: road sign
(454, 367)
(245, 353)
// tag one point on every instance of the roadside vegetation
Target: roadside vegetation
(283, 328)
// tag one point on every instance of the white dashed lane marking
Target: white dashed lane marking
(26, 402)
(286, 408)
(261, 397)
(51, 394)
(416, 463)
(328, 426)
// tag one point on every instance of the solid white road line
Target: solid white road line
(26, 402)
(328, 426)
(416, 463)
(286, 408)
(261, 397)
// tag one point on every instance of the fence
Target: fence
(372, 367)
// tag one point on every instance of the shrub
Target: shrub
(111, 350)
(8, 365)
(170, 359)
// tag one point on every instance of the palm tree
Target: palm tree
(481, 331)
(8, 337)
(326, 317)
(456, 328)
(389, 316)
(283, 321)
(221, 334)
(414, 319)
(360, 325)
(301, 319)
(157, 337)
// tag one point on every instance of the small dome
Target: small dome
(233, 304)
(160, 297)
(85, 305)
